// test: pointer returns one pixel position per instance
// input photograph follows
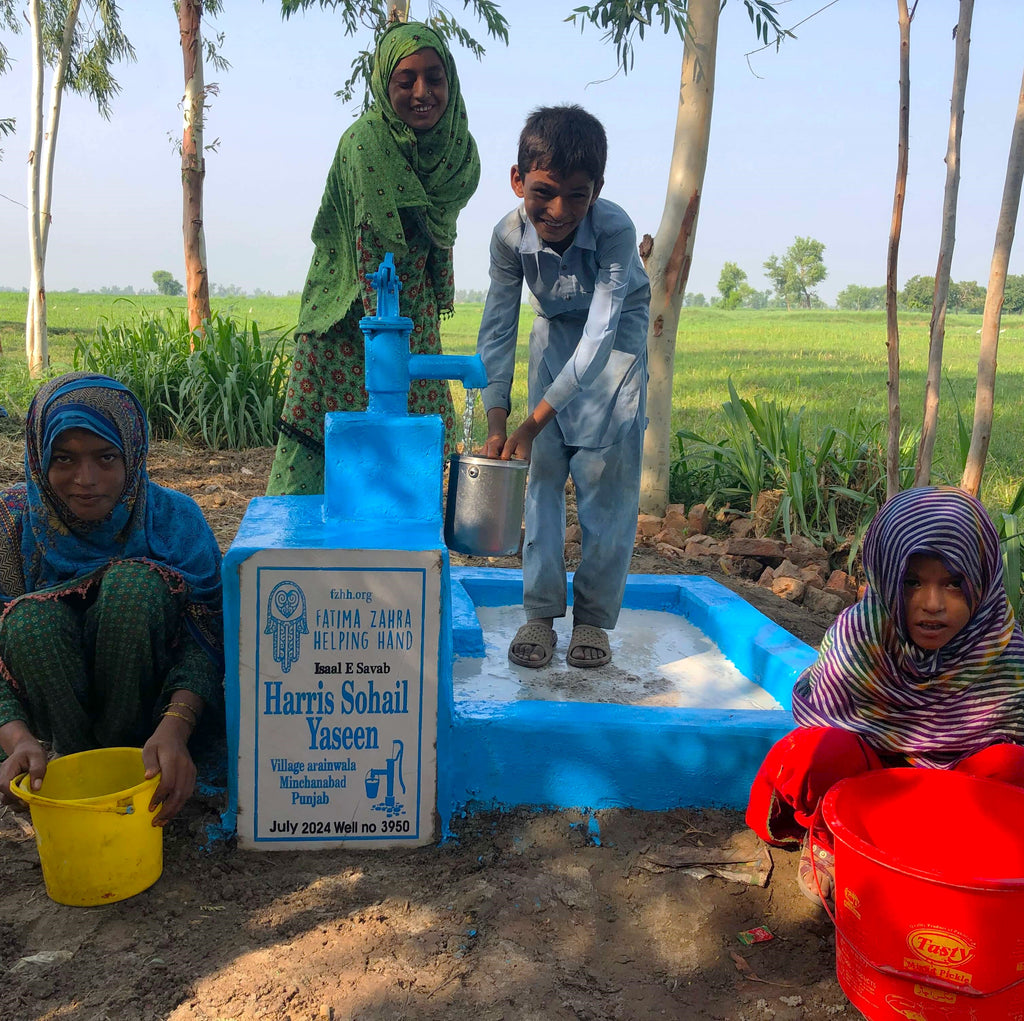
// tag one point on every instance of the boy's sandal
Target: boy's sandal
(586, 636)
(816, 871)
(528, 638)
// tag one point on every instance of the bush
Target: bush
(831, 488)
(221, 385)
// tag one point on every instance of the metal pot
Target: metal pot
(484, 513)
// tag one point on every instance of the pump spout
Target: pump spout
(468, 369)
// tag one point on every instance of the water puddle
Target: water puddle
(658, 659)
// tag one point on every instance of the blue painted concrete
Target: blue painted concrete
(602, 755)
(383, 483)
(298, 523)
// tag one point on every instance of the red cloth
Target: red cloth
(801, 767)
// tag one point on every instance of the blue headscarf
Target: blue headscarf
(43, 544)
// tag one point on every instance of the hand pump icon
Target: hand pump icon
(393, 771)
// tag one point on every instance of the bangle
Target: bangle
(185, 705)
(171, 712)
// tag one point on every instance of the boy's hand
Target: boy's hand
(493, 445)
(497, 419)
(520, 443)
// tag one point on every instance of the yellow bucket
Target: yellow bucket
(94, 830)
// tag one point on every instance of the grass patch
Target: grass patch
(830, 364)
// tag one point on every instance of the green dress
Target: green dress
(327, 372)
(389, 189)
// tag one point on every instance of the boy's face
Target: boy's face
(556, 205)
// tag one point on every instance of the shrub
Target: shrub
(831, 488)
(221, 385)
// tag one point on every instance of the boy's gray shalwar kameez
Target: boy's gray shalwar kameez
(588, 359)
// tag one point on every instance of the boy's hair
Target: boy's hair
(565, 140)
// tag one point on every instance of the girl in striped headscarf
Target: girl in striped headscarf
(926, 670)
(110, 596)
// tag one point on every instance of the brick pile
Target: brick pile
(798, 571)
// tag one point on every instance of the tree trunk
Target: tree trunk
(668, 259)
(35, 317)
(193, 164)
(41, 186)
(892, 332)
(983, 402)
(937, 328)
(53, 119)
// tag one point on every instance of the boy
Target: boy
(587, 378)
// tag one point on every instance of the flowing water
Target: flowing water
(467, 422)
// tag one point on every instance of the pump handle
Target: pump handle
(386, 283)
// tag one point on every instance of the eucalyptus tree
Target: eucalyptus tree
(667, 256)
(195, 50)
(78, 41)
(942, 292)
(984, 401)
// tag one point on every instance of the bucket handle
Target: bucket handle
(123, 806)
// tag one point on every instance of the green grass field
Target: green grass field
(829, 363)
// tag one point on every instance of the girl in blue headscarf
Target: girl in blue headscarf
(110, 599)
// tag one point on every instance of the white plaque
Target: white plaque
(338, 659)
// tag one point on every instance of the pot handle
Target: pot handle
(124, 806)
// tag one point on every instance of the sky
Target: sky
(803, 141)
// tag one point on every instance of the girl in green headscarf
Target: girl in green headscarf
(400, 177)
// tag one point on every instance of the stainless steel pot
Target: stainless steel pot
(484, 513)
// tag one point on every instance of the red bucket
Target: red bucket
(929, 895)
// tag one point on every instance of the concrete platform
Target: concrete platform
(572, 754)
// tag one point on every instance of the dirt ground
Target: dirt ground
(521, 917)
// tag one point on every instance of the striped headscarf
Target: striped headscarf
(932, 707)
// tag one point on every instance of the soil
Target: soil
(522, 916)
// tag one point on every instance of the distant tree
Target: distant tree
(1013, 298)
(733, 286)
(917, 293)
(695, 300)
(227, 291)
(463, 297)
(759, 299)
(854, 298)
(966, 296)
(798, 271)
(166, 284)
